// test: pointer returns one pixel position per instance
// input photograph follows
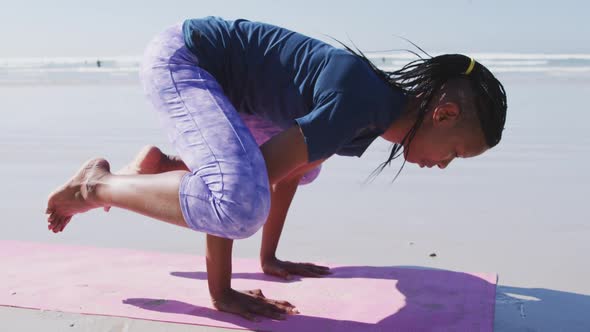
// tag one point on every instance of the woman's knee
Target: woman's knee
(238, 212)
(246, 218)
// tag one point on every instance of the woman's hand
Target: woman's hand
(285, 269)
(252, 303)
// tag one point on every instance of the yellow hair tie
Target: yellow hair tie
(470, 68)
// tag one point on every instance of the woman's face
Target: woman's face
(444, 136)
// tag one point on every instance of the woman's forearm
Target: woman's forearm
(281, 197)
(219, 252)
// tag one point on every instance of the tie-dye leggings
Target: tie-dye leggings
(227, 192)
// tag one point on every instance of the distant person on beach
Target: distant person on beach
(253, 110)
(98, 63)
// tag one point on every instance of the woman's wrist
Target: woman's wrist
(267, 258)
(219, 293)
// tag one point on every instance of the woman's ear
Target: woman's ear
(446, 113)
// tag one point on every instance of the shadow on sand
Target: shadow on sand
(540, 309)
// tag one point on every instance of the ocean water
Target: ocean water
(124, 68)
(519, 209)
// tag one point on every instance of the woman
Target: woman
(222, 88)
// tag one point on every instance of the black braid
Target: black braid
(426, 76)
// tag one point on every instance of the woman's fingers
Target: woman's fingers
(308, 273)
(259, 300)
(238, 310)
(320, 270)
(277, 272)
(318, 266)
(253, 306)
(251, 303)
(323, 270)
(283, 273)
(284, 303)
(254, 292)
(286, 269)
(268, 312)
(285, 306)
(264, 308)
(272, 308)
(258, 292)
(307, 270)
(316, 269)
(246, 314)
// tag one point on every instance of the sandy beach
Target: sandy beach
(518, 210)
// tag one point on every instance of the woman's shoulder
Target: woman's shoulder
(346, 72)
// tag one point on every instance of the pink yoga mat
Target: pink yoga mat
(173, 288)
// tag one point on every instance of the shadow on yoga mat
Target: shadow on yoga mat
(419, 312)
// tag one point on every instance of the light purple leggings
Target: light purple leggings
(227, 191)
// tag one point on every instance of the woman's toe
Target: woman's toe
(64, 223)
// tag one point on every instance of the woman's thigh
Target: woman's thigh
(227, 190)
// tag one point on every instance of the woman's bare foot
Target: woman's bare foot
(151, 160)
(77, 195)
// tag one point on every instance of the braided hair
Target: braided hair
(425, 77)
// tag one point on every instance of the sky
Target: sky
(123, 27)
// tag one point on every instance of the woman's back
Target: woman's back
(274, 72)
